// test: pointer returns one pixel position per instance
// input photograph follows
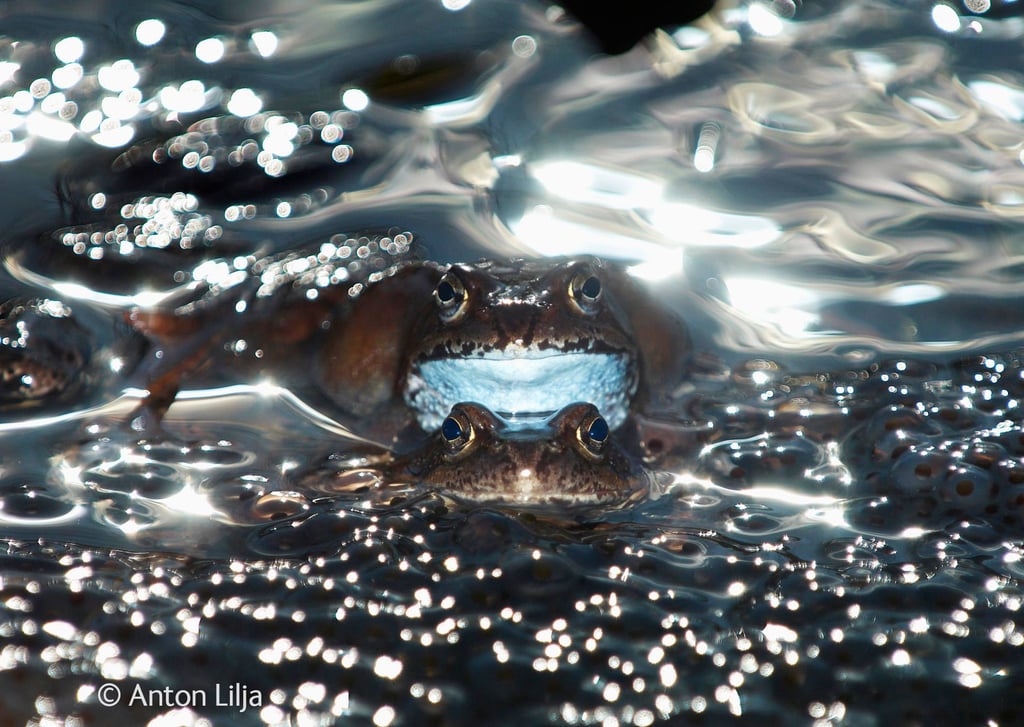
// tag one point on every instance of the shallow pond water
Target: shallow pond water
(829, 194)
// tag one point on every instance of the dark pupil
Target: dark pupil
(451, 430)
(598, 431)
(446, 293)
(591, 287)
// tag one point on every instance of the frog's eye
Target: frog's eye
(585, 290)
(592, 433)
(450, 295)
(457, 432)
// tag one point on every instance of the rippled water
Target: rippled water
(829, 194)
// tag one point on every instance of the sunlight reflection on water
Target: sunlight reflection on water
(829, 196)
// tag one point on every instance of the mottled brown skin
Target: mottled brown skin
(362, 358)
(558, 465)
(186, 344)
(526, 304)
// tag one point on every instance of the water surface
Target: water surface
(829, 194)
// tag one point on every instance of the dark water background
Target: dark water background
(831, 196)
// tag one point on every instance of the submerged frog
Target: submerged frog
(49, 354)
(43, 351)
(523, 338)
(571, 459)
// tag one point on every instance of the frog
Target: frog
(51, 354)
(572, 458)
(524, 338)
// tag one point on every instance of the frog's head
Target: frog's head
(526, 339)
(572, 458)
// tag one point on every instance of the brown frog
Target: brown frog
(43, 351)
(572, 458)
(51, 354)
(523, 338)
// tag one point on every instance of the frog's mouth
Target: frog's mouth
(523, 390)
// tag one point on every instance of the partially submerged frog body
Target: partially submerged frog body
(523, 338)
(572, 459)
(49, 355)
(268, 317)
(217, 338)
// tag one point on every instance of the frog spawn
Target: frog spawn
(426, 609)
(950, 452)
(944, 480)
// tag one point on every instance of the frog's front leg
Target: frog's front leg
(180, 347)
(183, 346)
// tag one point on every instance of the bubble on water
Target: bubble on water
(524, 46)
(341, 153)
(67, 76)
(945, 18)
(190, 96)
(264, 42)
(118, 76)
(764, 20)
(355, 99)
(244, 102)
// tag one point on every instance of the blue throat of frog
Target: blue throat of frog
(522, 390)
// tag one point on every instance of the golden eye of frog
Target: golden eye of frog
(524, 339)
(572, 458)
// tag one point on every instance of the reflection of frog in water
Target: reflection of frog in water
(571, 458)
(524, 339)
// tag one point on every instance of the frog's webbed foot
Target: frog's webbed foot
(180, 348)
(146, 420)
